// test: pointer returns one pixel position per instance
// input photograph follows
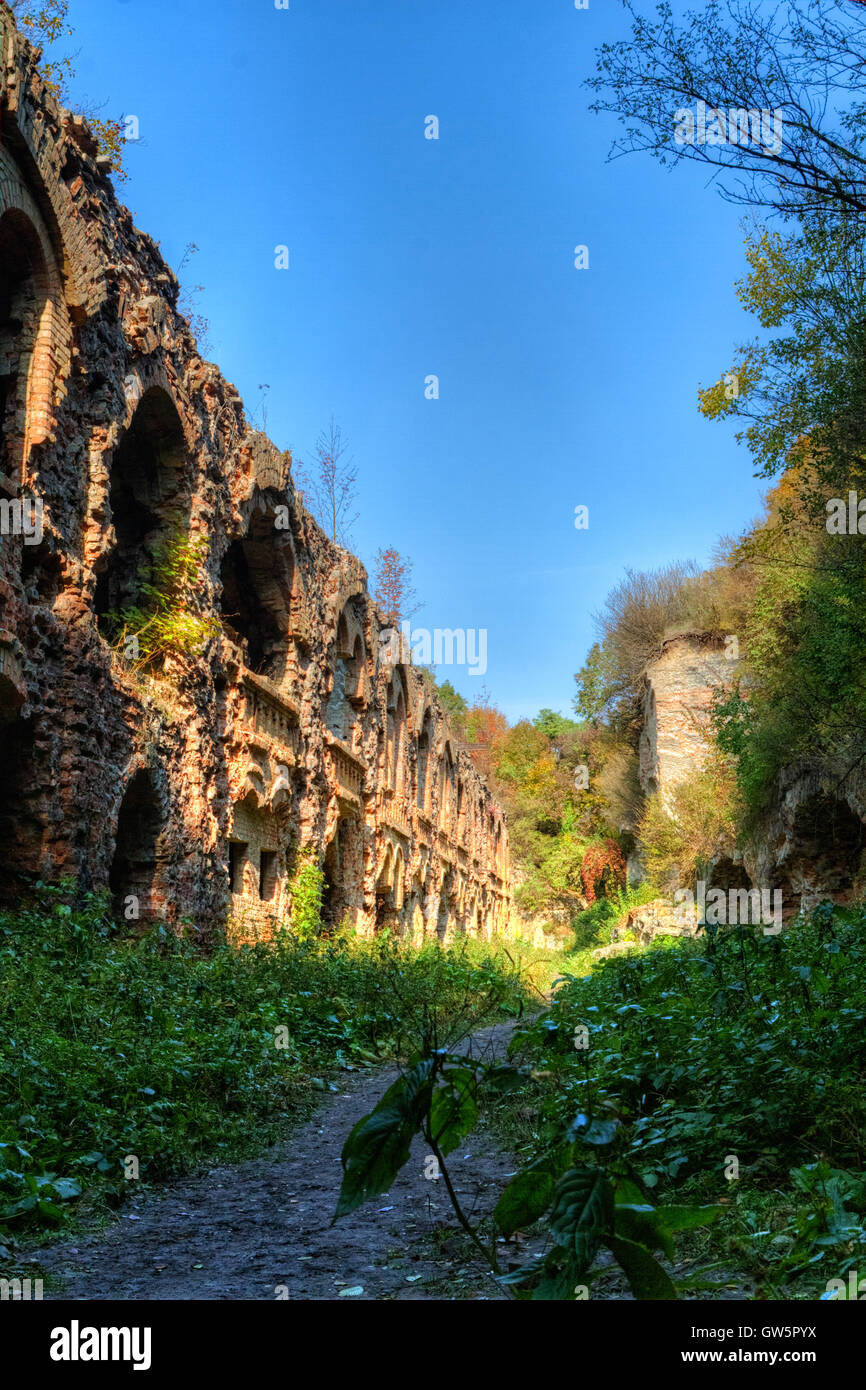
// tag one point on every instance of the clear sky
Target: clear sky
(410, 257)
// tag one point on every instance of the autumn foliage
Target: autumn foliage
(603, 869)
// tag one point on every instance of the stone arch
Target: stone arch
(344, 873)
(149, 502)
(35, 334)
(444, 914)
(447, 799)
(136, 875)
(396, 732)
(423, 766)
(415, 909)
(726, 873)
(257, 575)
(348, 664)
(384, 890)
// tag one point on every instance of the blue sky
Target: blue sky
(455, 257)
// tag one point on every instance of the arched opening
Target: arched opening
(415, 910)
(725, 874)
(344, 873)
(443, 919)
(826, 847)
(149, 503)
(347, 692)
(25, 314)
(447, 795)
(384, 890)
(20, 830)
(137, 863)
(257, 575)
(395, 735)
(425, 743)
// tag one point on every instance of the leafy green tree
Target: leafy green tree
(453, 703)
(553, 724)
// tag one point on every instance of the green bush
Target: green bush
(114, 1047)
(740, 1046)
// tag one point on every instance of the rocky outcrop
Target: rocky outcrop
(678, 695)
(269, 724)
(655, 919)
(810, 841)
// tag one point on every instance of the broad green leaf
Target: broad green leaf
(642, 1223)
(66, 1187)
(524, 1200)
(676, 1218)
(379, 1144)
(582, 1212)
(453, 1110)
(591, 1131)
(645, 1275)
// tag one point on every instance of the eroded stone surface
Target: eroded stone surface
(190, 787)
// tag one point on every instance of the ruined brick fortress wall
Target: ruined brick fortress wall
(191, 787)
(678, 696)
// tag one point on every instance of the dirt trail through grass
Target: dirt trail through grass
(247, 1230)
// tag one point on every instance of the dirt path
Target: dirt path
(249, 1230)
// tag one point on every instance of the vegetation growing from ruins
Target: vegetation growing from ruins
(46, 22)
(695, 1108)
(327, 485)
(804, 394)
(393, 589)
(165, 623)
(151, 1048)
(680, 841)
(306, 892)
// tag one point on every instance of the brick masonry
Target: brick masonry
(190, 788)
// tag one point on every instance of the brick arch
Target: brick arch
(396, 730)
(29, 179)
(138, 867)
(35, 331)
(258, 575)
(424, 768)
(448, 786)
(149, 500)
(347, 664)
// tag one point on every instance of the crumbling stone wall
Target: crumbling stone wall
(811, 839)
(678, 696)
(189, 786)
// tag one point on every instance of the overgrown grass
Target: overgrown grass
(115, 1049)
(596, 926)
(733, 1070)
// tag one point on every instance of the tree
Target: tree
(803, 390)
(327, 486)
(453, 704)
(553, 724)
(805, 59)
(392, 586)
